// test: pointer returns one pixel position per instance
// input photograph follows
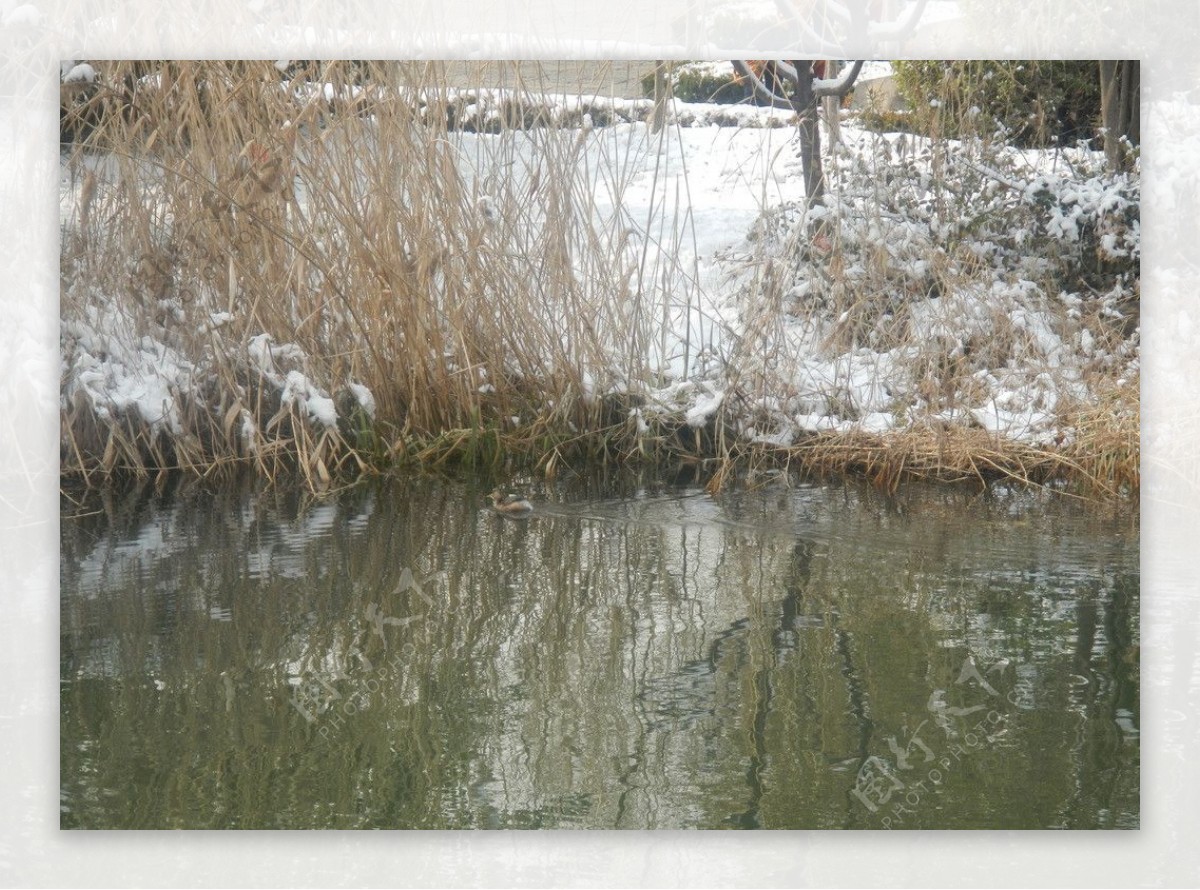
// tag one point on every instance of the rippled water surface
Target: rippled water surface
(636, 654)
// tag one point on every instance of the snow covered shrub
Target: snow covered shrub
(968, 285)
(1088, 228)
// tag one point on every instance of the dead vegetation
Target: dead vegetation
(321, 272)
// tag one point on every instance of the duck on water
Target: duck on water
(510, 504)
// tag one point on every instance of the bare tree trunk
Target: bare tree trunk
(1131, 84)
(804, 100)
(662, 94)
(1120, 85)
(832, 106)
(1108, 111)
(806, 95)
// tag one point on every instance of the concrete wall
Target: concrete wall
(588, 78)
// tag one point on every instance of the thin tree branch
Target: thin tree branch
(761, 90)
(839, 86)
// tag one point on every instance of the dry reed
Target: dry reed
(261, 250)
(469, 283)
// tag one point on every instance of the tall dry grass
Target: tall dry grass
(477, 285)
(252, 251)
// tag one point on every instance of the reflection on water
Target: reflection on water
(634, 655)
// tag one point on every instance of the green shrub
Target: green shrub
(1037, 103)
(700, 82)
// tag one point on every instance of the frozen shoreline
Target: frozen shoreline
(931, 311)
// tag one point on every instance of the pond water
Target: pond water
(635, 654)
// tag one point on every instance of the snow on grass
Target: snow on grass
(944, 297)
(364, 398)
(81, 73)
(943, 300)
(115, 371)
(706, 406)
(298, 390)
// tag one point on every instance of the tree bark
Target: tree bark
(807, 92)
(662, 93)
(832, 105)
(1120, 86)
(804, 101)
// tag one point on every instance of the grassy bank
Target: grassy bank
(335, 268)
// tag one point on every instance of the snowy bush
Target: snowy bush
(968, 286)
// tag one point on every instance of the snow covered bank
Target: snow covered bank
(656, 290)
(997, 294)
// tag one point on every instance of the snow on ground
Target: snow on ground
(864, 337)
(741, 181)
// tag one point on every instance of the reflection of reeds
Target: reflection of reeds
(569, 671)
